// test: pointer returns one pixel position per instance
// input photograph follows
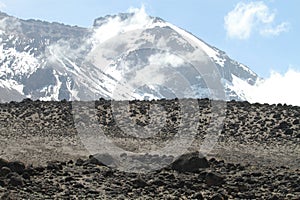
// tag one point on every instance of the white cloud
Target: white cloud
(278, 88)
(283, 27)
(246, 18)
(116, 25)
(165, 59)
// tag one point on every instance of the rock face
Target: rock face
(48, 61)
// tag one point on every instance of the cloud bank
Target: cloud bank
(247, 18)
(278, 88)
(116, 25)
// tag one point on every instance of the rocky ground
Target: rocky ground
(46, 148)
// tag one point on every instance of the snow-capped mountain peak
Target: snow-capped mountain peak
(52, 61)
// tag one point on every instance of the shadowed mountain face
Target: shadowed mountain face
(52, 61)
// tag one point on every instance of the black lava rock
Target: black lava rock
(94, 161)
(54, 166)
(190, 162)
(217, 197)
(17, 166)
(104, 159)
(3, 163)
(2, 183)
(214, 179)
(198, 196)
(16, 181)
(4, 171)
(139, 183)
(79, 162)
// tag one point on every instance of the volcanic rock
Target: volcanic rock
(16, 181)
(17, 166)
(4, 171)
(214, 179)
(190, 162)
(3, 163)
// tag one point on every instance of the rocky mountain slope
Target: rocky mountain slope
(52, 61)
(256, 155)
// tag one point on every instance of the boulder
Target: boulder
(3, 163)
(17, 166)
(16, 181)
(4, 171)
(214, 179)
(103, 159)
(190, 162)
(56, 166)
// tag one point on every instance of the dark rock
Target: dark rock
(2, 183)
(288, 131)
(296, 122)
(54, 166)
(11, 174)
(3, 163)
(217, 197)
(297, 189)
(158, 182)
(190, 162)
(108, 173)
(123, 155)
(69, 178)
(17, 166)
(16, 181)
(70, 162)
(202, 175)
(198, 196)
(79, 162)
(78, 185)
(139, 183)
(105, 159)
(283, 125)
(39, 169)
(93, 192)
(214, 179)
(86, 172)
(274, 197)
(256, 174)
(4, 171)
(242, 187)
(26, 175)
(94, 161)
(30, 170)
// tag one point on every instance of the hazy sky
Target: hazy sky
(261, 34)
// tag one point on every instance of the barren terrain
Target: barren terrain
(256, 153)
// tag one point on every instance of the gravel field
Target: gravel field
(53, 150)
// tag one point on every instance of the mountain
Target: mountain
(124, 56)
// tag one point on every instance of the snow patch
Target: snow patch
(14, 63)
(12, 85)
(207, 49)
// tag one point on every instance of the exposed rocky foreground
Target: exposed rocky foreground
(257, 155)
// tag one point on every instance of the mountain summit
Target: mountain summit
(53, 61)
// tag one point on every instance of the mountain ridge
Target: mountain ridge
(46, 61)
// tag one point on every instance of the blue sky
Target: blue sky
(267, 40)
